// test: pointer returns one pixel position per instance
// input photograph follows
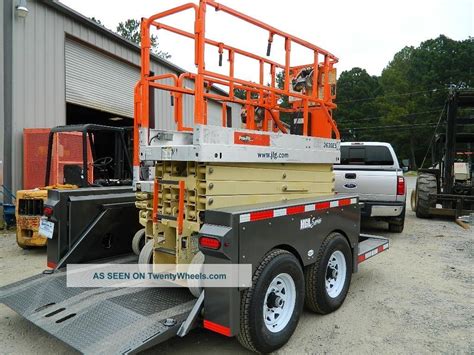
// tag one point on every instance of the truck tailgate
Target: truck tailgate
(370, 185)
(99, 320)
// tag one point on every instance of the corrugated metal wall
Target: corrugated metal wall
(39, 88)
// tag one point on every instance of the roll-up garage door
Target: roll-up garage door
(99, 81)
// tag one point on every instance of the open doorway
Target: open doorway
(106, 144)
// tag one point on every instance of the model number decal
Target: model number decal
(309, 223)
(331, 145)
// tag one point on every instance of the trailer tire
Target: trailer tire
(326, 293)
(138, 241)
(145, 258)
(279, 280)
(426, 184)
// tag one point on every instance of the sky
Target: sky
(363, 33)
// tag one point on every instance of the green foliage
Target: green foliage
(356, 90)
(130, 29)
(97, 21)
(402, 105)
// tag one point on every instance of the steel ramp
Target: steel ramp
(370, 245)
(100, 320)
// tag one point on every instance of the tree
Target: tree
(356, 91)
(415, 85)
(403, 105)
(130, 29)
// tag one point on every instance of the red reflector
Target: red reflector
(401, 185)
(345, 202)
(256, 216)
(48, 211)
(51, 265)
(295, 209)
(216, 328)
(323, 205)
(210, 243)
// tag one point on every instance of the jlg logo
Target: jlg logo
(245, 139)
(309, 223)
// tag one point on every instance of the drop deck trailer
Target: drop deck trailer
(228, 195)
(128, 320)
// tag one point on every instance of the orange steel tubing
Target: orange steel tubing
(267, 97)
(224, 114)
(217, 44)
(274, 31)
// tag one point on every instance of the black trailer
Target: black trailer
(301, 251)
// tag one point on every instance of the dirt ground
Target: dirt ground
(416, 298)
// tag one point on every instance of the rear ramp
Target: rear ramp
(100, 320)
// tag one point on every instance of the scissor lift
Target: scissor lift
(230, 195)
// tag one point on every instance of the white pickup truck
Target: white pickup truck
(371, 170)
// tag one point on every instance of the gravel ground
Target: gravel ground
(415, 298)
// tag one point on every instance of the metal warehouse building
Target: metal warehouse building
(59, 67)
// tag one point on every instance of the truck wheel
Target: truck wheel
(328, 279)
(138, 241)
(426, 184)
(271, 308)
(396, 224)
(145, 258)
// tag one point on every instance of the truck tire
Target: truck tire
(396, 224)
(426, 184)
(145, 258)
(138, 241)
(328, 279)
(271, 308)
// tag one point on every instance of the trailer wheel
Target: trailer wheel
(426, 184)
(271, 308)
(145, 258)
(138, 241)
(328, 279)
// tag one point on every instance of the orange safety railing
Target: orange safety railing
(315, 104)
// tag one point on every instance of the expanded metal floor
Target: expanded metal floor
(99, 320)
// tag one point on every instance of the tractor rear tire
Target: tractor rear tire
(426, 184)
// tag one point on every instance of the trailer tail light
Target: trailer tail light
(401, 186)
(48, 211)
(210, 243)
